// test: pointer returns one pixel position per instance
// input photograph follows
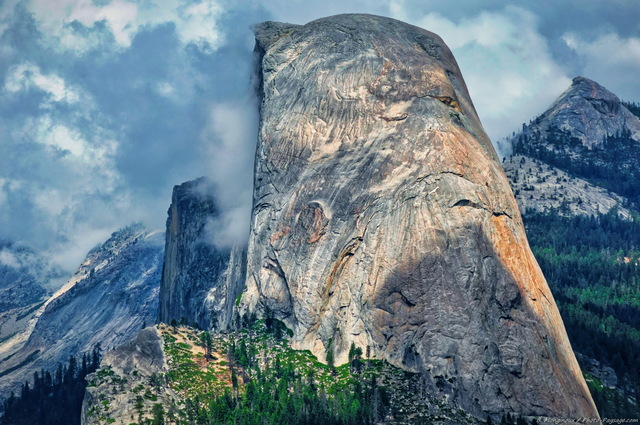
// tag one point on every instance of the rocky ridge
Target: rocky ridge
(164, 369)
(112, 295)
(590, 112)
(115, 388)
(382, 217)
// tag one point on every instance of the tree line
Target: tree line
(52, 398)
(592, 265)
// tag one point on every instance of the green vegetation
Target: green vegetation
(633, 107)
(252, 376)
(593, 267)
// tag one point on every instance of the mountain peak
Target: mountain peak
(589, 133)
(585, 88)
(590, 112)
(382, 220)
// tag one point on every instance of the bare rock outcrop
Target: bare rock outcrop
(383, 217)
(200, 282)
(590, 112)
(112, 395)
(541, 187)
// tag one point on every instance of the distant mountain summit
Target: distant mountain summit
(590, 112)
(581, 155)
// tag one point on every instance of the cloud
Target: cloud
(107, 105)
(610, 59)
(8, 259)
(65, 22)
(27, 76)
(230, 135)
(198, 24)
(53, 18)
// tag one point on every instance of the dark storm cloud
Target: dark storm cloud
(96, 133)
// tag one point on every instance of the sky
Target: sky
(105, 105)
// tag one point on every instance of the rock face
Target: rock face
(110, 298)
(541, 187)
(382, 217)
(590, 112)
(133, 363)
(200, 283)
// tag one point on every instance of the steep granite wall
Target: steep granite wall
(200, 282)
(382, 217)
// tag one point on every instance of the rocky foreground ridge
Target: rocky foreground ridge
(382, 217)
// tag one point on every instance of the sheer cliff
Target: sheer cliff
(382, 217)
(200, 282)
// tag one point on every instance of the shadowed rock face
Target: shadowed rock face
(199, 281)
(382, 217)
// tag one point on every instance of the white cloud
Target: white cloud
(230, 137)
(7, 258)
(617, 51)
(97, 154)
(195, 22)
(27, 75)
(611, 60)
(83, 237)
(119, 15)
(61, 137)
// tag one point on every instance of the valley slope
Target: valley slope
(112, 295)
